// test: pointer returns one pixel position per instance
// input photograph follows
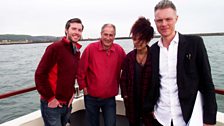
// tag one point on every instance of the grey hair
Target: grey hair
(108, 24)
(165, 4)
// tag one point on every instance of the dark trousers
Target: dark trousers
(93, 106)
(156, 123)
(145, 120)
(137, 123)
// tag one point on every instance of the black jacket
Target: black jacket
(193, 74)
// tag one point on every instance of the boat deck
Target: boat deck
(78, 119)
(78, 116)
(219, 124)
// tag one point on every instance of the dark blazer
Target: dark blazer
(193, 74)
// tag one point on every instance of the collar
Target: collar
(100, 47)
(78, 46)
(65, 40)
(174, 41)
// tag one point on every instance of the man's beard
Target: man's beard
(70, 39)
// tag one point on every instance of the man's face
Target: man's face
(74, 32)
(165, 20)
(107, 37)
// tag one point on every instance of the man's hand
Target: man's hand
(54, 103)
(85, 91)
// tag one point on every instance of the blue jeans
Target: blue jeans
(55, 116)
(108, 107)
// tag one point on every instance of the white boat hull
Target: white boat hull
(35, 118)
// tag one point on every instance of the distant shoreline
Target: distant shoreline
(93, 39)
(157, 36)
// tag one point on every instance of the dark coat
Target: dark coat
(127, 84)
(193, 75)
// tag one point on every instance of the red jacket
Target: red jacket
(99, 70)
(56, 73)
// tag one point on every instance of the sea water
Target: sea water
(18, 64)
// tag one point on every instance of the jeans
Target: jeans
(93, 106)
(55, 116)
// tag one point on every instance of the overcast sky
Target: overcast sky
(48, 17)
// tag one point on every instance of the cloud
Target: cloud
(48, 17)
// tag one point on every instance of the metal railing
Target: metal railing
(25, 90)
(17, 92)
(219, 91)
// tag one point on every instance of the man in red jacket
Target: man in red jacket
(56, 73)
(99, 75)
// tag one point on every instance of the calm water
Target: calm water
(18, 64)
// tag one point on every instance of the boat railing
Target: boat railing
(17, 92)
(29, 89)
(77, 95)
(219, 91)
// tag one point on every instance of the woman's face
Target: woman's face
(139, 44)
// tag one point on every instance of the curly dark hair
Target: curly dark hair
(142, 30)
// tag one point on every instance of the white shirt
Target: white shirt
(168, 105)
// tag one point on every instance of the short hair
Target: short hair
(108, 24)
(165, 4)
(142, 30)
(73, 20)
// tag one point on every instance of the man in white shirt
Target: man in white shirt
(181, 69)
